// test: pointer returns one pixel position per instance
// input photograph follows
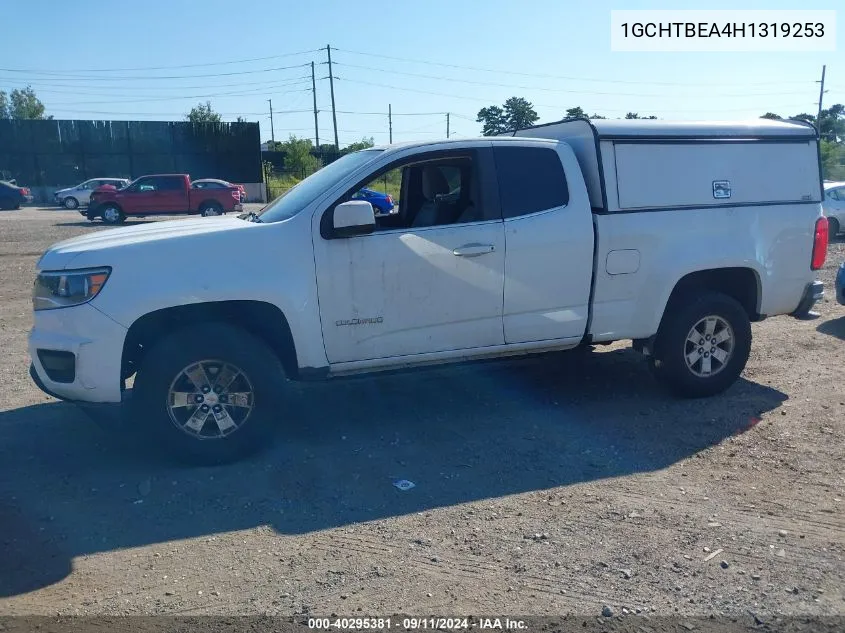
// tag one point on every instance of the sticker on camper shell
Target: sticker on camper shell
(721, 189)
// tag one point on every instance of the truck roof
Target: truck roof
(646, 128)
(656, 128)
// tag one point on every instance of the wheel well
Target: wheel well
(740, 283)
(211, 202)
(259, 318)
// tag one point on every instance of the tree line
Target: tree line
(517, 113)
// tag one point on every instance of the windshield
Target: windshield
(304, 193)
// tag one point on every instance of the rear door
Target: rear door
(548, 241)
(172, 195)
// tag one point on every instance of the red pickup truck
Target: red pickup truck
(160, 194)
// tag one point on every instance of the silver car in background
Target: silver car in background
(834, 206)
(73, 197)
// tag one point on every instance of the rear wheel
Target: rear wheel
(210, 208)
(70, 202)
(209, 393)
(112, 214)
(703, 344)
(833, 227)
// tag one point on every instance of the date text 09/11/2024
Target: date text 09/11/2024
(411, 624)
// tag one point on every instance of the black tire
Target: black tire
(111, 214)
(833, 227)
(669, 362)
(213, 345)
(16, 207)
(210, 208)
(70, 203)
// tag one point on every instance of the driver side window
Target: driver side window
(426, 193)
(142, 185)
(148, 185)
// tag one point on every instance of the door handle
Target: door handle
(473, 250)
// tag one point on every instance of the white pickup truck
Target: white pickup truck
(674, 235)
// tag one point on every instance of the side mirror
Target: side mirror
(355, 217)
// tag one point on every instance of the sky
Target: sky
(154, 60)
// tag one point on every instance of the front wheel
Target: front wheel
(209, 393)
(70, 202)
(703, 344)
(112, 214)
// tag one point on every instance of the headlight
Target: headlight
(61, 289)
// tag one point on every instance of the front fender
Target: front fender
(264, 263)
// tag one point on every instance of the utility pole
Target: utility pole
(314, 93)
(390, 121)
(447, 125)
(331, 87)
(272, 130)
(821, 97)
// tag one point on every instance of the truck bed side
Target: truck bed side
(641, 257)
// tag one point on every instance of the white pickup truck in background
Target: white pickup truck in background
(674, 235)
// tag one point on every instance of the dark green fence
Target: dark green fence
(50, 153)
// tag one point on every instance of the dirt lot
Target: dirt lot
(543, 486)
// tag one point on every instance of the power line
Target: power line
(39, 85)
(179, 114)
(63, 110)
(547, 89)
(540, 105)
(394, 114)
(427, 92)
(206, 64)
(568, 78)
(155, 99)
(156, 77)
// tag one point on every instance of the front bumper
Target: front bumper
(96, 343)
(840, 284)
(813, 293)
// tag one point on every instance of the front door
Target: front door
(430, 278)
(140, 196)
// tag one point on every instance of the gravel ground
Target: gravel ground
(552, 485)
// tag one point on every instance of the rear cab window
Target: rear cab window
(531, 179)
(170, 183)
